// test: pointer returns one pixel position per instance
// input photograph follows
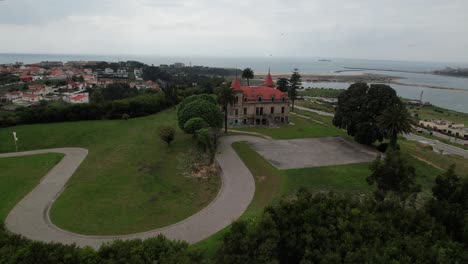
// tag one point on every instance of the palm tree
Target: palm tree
(248, 74)
(393, 121)
(226, 97)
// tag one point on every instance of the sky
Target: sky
(422, 30)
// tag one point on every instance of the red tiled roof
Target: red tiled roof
(30, 95)
(253, 92)
(78, 97)
(235, 84)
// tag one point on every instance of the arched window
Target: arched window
(237, 99)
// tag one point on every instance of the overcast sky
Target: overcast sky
(428, 30)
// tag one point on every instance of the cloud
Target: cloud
(398, 29)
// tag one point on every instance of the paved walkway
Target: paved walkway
(314, 111)
(30, 217)
(438, 146)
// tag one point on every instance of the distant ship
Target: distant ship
(324, 60)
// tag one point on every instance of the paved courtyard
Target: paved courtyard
(313, 152)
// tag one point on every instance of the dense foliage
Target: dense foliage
(282, 84)
(393, 174)
(450, 204)
(248, 74)
(118, 91)
(358, 109)
(135, 107)
(194, 124)
(203, 106)
(327, 228)
(15, 249)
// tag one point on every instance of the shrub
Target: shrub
(167, 134)
(203, 109)
(186, 101)
(194, 124)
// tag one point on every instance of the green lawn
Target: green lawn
(129, 182)
(19, 175)
(434, 112)
(301, 128)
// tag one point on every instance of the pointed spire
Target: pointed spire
(268, 80)
(235, 83)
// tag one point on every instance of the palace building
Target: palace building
(258, 105)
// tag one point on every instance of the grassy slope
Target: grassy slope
(434, 112)
(302, 128)
(19, 175)
(128, 183)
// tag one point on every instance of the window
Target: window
(245, 121)
(259, 111)
(259, 99)
(282, 120)
(282, 109)
(237, 112)
(272, 110)
(237, 99)
(273, 99)
(245, 99)
(245, 110)
(283, 99)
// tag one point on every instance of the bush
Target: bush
(203, 109)
(194, 124)
(167, 134)
(136, 106)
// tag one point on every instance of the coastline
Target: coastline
(363, 77)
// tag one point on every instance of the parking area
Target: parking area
(313, 152)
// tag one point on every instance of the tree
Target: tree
(203, 109)
(206, 97)
(248, 74)
(226, 97)
(282, 84)
(358, 108)
(194, 124)
(449, 204)
(167, 134)
(393, 174)
(117, 91)
(294, 84)
(208, 137)
(393, 121)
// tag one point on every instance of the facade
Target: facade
(258, 105)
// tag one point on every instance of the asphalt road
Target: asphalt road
(438, 146)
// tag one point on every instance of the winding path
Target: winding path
(30, 217)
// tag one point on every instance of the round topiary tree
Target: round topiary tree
(203, 109)
(194, 124)
(186, 101)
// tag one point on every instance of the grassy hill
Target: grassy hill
(129, 182)
(16, 179)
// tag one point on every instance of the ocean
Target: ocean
(454, 100)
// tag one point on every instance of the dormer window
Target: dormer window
(259, 99)
(273, 99)
(284, 99)
(245, 99)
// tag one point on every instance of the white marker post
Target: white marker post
(16, 141)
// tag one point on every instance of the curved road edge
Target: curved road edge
(30, 217)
